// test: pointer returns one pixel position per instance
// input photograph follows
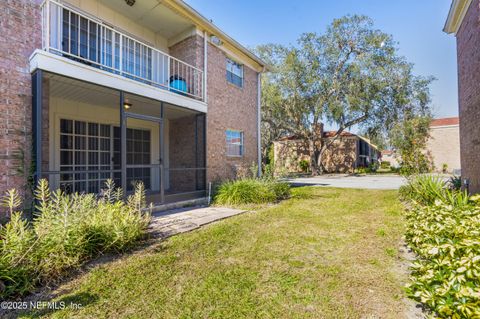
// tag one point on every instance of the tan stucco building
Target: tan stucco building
(444, 144)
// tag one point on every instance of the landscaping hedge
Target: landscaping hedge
(443, 229)
(251, 191)
(67, 231)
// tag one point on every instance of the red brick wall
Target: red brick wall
(229, 107)
(182, 153)
(468, 55)
(341, 156)
(20, 28)
(189, 50)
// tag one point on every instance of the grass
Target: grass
(324, 253)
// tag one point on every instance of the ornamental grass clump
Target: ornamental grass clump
(445, 235)
(68, 230)
(251, 191)
(427, 189)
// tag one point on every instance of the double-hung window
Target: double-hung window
(234, 73)
(234, 143)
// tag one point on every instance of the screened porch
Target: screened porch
(85, 134)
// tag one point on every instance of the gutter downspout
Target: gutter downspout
(259, 119)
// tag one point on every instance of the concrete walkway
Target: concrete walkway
(169, 223)
(352, 181)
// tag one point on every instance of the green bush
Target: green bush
(443, 227)
(427, 189)
(361, 170)
(251, 191)
(304, 165)
(68, 230)
(281, 190)
(446, 275)
(455, 182)
(385, 165)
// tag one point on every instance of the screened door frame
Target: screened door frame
(124, 116)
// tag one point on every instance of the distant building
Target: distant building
(444, 144)
(347, 152)
(462, 21)
(392, 157)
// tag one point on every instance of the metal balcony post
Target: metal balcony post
(37, 120)
(123, 143)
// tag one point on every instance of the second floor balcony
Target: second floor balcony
(78, 36)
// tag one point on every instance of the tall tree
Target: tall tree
(349, 76)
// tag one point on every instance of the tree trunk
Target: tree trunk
(315, 159)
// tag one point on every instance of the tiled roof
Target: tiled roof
(332, 133)
(445, 121)
(326, 134)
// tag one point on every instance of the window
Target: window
(87, 146)
(234, 73)
(234, 143)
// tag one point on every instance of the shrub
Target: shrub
(373, 167)
(251, 191)
(385, 165)
(361, 170)
(455, 182)
(443, 227)
(427, 189)
(67, 231)
(446, 275)
(281, 189)
(304, 165)
(444, 168)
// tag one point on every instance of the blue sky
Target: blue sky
(415, 24)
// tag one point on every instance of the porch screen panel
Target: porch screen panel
(84, 146)
(138, 153)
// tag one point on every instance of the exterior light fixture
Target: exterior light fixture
(215, 40)
(127, 105)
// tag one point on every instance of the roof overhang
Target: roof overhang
(206, 25)
(458, 10)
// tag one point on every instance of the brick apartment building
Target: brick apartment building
(464, 22)
(131, 90)
(346, 153)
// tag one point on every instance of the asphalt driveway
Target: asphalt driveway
(352, 181)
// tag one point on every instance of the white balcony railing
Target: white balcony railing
(72, 34)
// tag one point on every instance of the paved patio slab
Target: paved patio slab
(168, 223)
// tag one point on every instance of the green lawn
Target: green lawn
(325, 253)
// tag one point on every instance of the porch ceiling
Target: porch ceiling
(153, 15)
(84, 92)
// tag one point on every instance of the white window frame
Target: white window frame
(241, 143)
(230, 62)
